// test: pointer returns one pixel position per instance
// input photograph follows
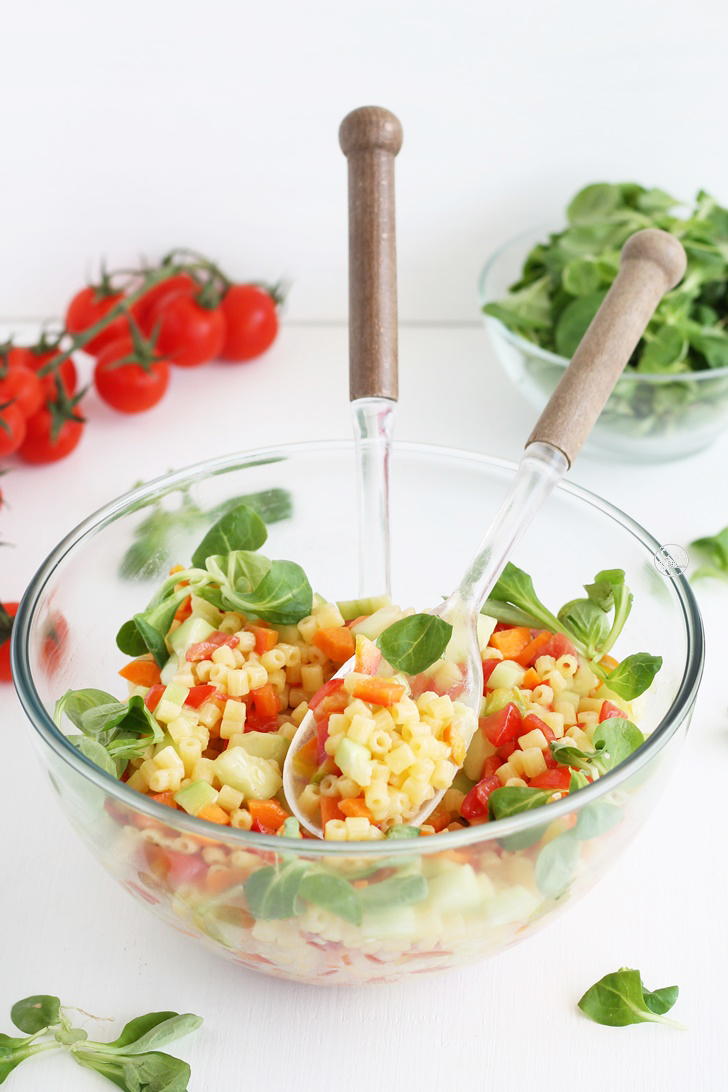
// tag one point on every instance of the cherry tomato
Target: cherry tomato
(188, 333)
(23, 387)
(66, 373)
(7, 611)
(13, 428)
(129, 388)
(181, 284)
(86, 308)
(40, 446)
(251, 318)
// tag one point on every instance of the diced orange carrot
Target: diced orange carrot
(368, 655)
(166, 798)
(141, 673)
(609, 662)
(426, 833)
(336, 642)
(510, 642)
(221, 879)
(184, 610)
(439, 819)
(266, 702)
(533, 649)
(530, 680)
(459, 856)
(265, 639)
(377, 691)
(455, 741)
(330, 809)
(357, 808)
(305, 761)
(268, 812)
(214, 814)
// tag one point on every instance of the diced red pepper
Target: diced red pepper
(199, 694)
(559, 778)
(489, 667)
(475, 804)
(265, 639)
(204, 649)
(266, 702)
(153, 696)
(608, 710)
(532, 723)
(327, 690)
(261, 828)
(322, 734)
(503, 726)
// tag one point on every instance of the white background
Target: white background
(137, 127)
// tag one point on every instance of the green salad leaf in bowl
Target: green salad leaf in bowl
(544, 289)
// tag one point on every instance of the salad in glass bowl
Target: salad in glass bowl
(176, 784)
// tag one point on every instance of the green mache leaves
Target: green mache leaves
(332, 893)
(614, 741)
(112, 731)
(634, 675)
(413, 644)
(34, 1014)
(284, 595)
(514, 799)
(715, 550)
(587, 621)
(239, 529)
(620, 999)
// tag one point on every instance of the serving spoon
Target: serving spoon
(652, 262)
(370, 138)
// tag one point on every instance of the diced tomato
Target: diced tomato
(261, 828)
(330, 809)
(378, 691)
(327, 690)
(199, 694)
(475, 804)
(254, 722)
(608, 710)
(153, 696)
(559, 645)
(322, 734)
(551, 763)
(491, 765)
(503, 726)
(204, 649)
(265, 639)
(489, 667)
(173, 868)
(532, 723)
(266, 702)
(506, 749)
(552, 779)
(368, 656)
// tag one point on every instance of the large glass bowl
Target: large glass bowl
(648, 417)
(475, 892)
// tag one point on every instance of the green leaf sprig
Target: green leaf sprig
(112, 731)
(592, 624)
(414, 643)
(132, 1062)
(620, 998)
(614, 741)
(715, 550)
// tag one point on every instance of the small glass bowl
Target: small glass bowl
(466, 895)
(649, 417)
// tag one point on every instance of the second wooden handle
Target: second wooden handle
(652, 263)
(370, 139)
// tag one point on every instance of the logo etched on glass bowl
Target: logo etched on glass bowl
(671, 560)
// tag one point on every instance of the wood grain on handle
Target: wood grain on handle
(652, 262)
(370, 139)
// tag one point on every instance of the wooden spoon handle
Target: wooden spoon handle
(652, 263)
(370, 139)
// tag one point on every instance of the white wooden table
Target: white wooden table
(67, 928)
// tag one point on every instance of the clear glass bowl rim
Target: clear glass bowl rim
(530, 347)
(54, 738)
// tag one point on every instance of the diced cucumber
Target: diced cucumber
(354, 760)
(170, 669)
(514, 904)
(398, 923)
(266, 745)
(175, 694)
(375, 625)
(191, 632)
(461, 781)
(354, 608)
(255, 778)
(506, 675)
(500, 698)
(202, 609)
(455, 891)
(480, 748)
(486, 626)
(196, 796)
